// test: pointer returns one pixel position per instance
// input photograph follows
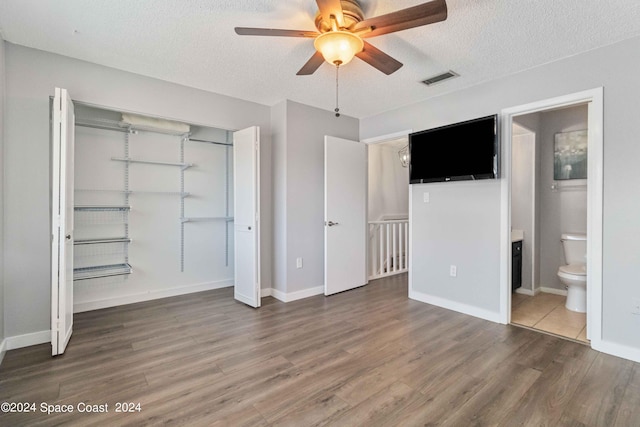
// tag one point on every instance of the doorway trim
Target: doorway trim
(388, 137)
(595, 100)
(380, 139)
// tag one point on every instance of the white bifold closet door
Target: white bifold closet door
(62, 132)
(345, 215)
(246, 195)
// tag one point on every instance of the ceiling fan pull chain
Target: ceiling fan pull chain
(337, 110)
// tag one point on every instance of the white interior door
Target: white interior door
(63, 128)
(246, 196)
(345, 215)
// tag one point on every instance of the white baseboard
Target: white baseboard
(294, 296)
(265, 292)
(455, 306)
(528, 292)
(27, 340)
(150, 295)
(618, 350)
(3, 349)
(553, 291)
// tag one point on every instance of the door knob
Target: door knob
(331, 223)
(68, 236)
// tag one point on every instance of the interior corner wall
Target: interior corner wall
(2, 129)
(299, 188)
(522, 199)
(279, 179)
(532, 123)
(31, 76)
(465, 216)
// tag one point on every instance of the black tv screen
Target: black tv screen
(461, 151)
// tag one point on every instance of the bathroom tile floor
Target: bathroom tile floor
(546, 312)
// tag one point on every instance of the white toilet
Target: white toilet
(574, 274)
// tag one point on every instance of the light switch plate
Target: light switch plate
(425, 197)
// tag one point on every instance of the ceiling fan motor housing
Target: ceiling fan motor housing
(351, 11)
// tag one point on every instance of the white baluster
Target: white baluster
(394, 259)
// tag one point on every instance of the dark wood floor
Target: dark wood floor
(365, 357)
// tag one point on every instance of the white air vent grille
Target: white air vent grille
(439, 78)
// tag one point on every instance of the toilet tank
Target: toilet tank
(574, 246)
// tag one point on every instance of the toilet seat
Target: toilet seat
(572, 270)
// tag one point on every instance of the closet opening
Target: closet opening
(153, 208)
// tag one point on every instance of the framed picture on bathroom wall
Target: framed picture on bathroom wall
(570, 155)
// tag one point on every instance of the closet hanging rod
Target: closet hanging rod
(210, 142)
(86, 125)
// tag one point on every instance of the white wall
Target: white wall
(563, 210)
(523, 166)
(532, 123)
(31, 78)
(2, 131)
(299, 176)
(462, 222)
(388, 183)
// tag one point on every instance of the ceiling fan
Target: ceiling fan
(342, 27)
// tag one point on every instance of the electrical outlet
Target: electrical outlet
(298, 262)
(453, 271)
(636, 306)
(425, 197)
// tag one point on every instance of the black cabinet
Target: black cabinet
(516, 265)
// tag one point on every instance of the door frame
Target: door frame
(595, 100)
(379, 140)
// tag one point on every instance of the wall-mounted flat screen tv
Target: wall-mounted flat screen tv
(461, 151)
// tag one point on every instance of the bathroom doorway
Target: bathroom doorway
(548, 202)
(552, 199)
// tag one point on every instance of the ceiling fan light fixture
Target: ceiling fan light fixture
(338, 47)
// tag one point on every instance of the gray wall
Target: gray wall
(31, 77)
(2, 130)
(299, 175)
(564, 210)
(279, 180)
(472, 223)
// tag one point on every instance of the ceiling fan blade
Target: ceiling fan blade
(312, 65)
(378, 59)
(331, 7)
(416, 16)
(244, 31)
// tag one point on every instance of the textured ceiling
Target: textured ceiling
(193, 43)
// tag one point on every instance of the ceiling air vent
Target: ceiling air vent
(439, 78)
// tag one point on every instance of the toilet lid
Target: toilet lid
(575, 269)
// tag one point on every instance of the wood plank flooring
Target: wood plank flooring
(369, 356)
